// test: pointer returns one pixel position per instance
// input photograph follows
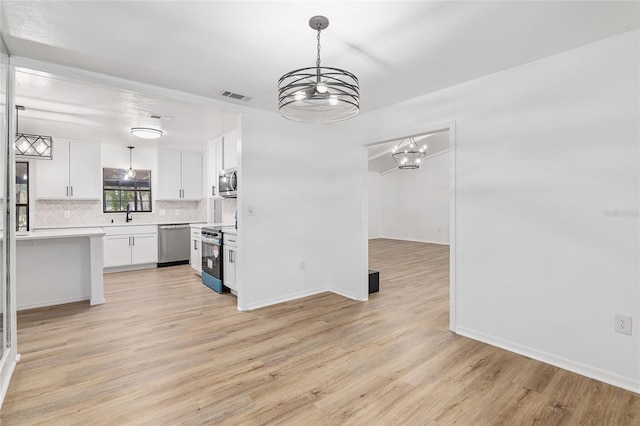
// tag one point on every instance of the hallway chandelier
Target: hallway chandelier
(31, 146)
(318, 94)
(408, 157)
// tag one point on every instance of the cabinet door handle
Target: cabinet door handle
(195, 245)
(71, 190)
(232, 256)
(133, 238)
(67, 191)
(129, 240)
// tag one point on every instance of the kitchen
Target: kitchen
(147, 199)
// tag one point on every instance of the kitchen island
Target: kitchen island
(59, 266)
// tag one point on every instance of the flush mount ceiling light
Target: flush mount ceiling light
(131, 173)
(32, 146)
(146, 132)
(318, 94)
(408, 156)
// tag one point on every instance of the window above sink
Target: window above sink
(120, 191)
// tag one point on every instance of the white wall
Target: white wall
(412, 205)
(376, 201)
(308, 205)
(544, 153)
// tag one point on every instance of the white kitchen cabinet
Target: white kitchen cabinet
(230, 154)
(117, 250)
(222, 154)
(144, 248)
(73, 173)
(196, 254)
(179, 175)
(130, 245)
(191, 176)
(230, 254)
(213, 163)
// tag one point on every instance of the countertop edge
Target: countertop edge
(66, 233)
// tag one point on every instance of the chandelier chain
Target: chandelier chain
(318, 58)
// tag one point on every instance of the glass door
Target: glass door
(8, 352)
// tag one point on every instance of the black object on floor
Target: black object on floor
(374, 281)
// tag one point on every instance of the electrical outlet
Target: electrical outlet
(67, 213)
(623, 324)
(251, 211)
(303, 265)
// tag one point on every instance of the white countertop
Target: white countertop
(105, 225)
(59, 233)
(216, 224)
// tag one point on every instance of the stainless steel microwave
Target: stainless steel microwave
(228, 183)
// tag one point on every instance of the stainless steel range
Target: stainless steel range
(212, 259)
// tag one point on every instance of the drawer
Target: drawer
(230, 240)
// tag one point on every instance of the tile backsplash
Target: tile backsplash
(229, 206)
(52, 213)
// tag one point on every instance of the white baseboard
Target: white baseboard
(34, 305)
(100, 301)
(348, 294)
(111, 269)
(9, 361)
(442, 243)
(281, 299)
(561, 362)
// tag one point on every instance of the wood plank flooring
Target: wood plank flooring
(165, 350)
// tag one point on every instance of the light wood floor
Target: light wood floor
(165, 350)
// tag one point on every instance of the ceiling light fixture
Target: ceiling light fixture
(32, 146)
(130, 173)
(408, 157)
(146, 132)
(318, 94)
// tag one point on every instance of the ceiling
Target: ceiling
(70, 108)
(398, 50)
(380, 159)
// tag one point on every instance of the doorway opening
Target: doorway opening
(411, 217)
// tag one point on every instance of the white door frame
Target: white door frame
(451, 127)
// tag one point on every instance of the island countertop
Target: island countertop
(43, 234)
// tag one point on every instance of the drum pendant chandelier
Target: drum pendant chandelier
(318, 94)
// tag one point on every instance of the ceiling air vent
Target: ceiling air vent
(236, 96)
(157, 117)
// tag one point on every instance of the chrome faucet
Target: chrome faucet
(129, 218)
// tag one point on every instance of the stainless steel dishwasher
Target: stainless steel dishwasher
(174, 244)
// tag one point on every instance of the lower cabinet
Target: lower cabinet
(230, 254)
(130, 245)
(196, 250)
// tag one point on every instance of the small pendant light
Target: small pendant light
(130, 173)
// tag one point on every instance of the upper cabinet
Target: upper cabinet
(230, 151)
(179, 175)
(222, 154)
(73, 173)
